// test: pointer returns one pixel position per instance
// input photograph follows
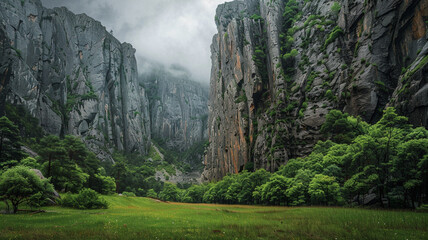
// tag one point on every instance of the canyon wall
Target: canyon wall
(278, 67)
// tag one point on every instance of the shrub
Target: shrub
(30, 162)
(151, 194)
(128, 194)
(256, 17)
(170, 192)
(335, 33)
(335, 8)
(104, 184)
(286, 57)
(86, 199)
(423, 208)
(305, 105)
(290, 107)
(329, 94)
(301, 113)
(242, 98)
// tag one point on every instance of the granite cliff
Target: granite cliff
(278, 67)
(74, 76)
(77, 79)
(178, 107)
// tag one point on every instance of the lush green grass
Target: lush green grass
(142, 218)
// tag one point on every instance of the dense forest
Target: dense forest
(358, 164)
(384, 164)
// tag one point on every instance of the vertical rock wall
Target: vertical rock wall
(178, 108)
(74, 76)
(272, 84)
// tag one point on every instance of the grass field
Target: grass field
(142, 218)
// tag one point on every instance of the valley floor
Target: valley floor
(143, 218)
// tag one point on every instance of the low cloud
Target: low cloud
(171, 32)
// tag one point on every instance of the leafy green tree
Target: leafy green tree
(274, 191)
(68, 162)
(391, 126)
(51, 150)
(170, 192)
(103, 184)
(342, 128)
(390, 121)
(368, 153)
(255, 179)
(91, 167)
(10, 141)
(324, 190)
(72, 178)
(75, 149)
(152, 183)
(423, 166)
(360, 183)
(292, 167)
(218, 191)
(19, 185)
(195, 193)
(77, 153)
(257, 194)
(240, 191)
(120, 170)
(376, 149)
(259, 177)
(30, 162)
(407, 168)
(297, 191)
(28, 125)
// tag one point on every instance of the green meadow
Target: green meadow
(144, 218)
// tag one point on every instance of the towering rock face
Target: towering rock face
(73, 75)
(178, 108)
(278, 67)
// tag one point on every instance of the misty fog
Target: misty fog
(163, 31)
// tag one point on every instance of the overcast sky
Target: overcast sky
(166, 31)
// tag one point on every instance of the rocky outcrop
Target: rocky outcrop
(73, 75)
(178, 107)
(40, 175)
(278, 67)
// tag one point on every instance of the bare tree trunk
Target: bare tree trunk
(15, 208)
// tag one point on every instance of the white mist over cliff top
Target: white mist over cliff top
(165, 31)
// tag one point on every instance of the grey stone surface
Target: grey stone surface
(178, 108)
(361, 68)
(74, 76)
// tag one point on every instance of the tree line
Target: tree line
(385, 164)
